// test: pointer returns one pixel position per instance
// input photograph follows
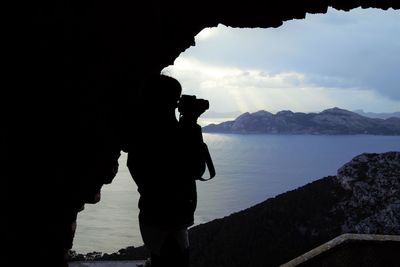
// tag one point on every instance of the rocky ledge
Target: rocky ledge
(373, 183)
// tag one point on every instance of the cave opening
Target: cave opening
(70, 67)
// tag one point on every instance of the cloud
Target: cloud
(233, 88)
(347, 59)
(207, 33)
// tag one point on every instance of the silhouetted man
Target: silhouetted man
(164, 160)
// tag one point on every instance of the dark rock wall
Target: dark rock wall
(73, 74)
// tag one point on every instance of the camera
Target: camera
(190, 106)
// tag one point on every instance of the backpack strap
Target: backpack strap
(209, 163)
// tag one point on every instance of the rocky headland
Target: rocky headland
(329, 122)
(364, 197)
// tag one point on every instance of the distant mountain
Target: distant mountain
(377, 115)
(330, 121)
(214, 114)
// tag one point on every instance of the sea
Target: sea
(250, 169)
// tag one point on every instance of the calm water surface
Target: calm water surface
(250, 169)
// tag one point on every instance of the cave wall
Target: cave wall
(74, 72)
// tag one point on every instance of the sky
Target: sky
(349, 60)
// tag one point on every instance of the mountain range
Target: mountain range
(377, 115)
(332, 121)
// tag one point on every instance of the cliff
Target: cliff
(330, 121)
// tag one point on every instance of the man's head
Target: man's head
(162, 92)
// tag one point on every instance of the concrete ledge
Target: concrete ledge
(105, 263)
(345, 250)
